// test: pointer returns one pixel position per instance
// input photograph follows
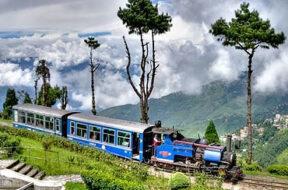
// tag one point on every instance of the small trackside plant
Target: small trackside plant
(178, 181)
(47, 143)
(278, 170)
(252, 167)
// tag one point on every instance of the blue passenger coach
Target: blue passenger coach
(118, 137)
(41, 119)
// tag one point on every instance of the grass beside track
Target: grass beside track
(59, 161)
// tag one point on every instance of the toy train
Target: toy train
(132, 140)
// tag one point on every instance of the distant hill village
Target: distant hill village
(279, 121)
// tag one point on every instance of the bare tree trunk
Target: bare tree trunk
(64, 97)
(249, 106)
(44, 92)
(92, 70)
(35, 91)
(146, 85)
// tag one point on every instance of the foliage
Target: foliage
(27, 98)
(211, 134)
(283, 157)
(75, 186)
(47, 143)
(10, 144)
(178, 181)
(140, 16)
(43, 71)
(103, 180)
(52, 95)
(10, 101)
(252, 167)
(247, 31)
(266, 154)
(278, 169)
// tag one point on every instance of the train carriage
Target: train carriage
(152, 144)
(119, 137)
(41, 119)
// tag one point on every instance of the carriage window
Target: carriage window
(124, 139)
(22, 117)
(49, 123)
(94, 133)
(57, 124)
(108, 136)
(72, 128)
(39, 120)
(81, 130)
(30, 118)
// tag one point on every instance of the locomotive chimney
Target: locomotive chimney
(228, 143)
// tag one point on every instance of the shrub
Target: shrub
(252, 167)
(13, 146)
(104, 180)
(278, 169)
(10, 144)
(47, 143)
(178, 180)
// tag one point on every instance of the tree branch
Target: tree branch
(243, 48)
(154, 66)
(128, 68)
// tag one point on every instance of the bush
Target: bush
(278, 169)
(47, 143)
(104, 180)
(252, 167)
(13, 146)
(178, 181)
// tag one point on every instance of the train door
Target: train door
(136, 145)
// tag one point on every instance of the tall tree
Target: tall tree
(211, 133)
(247, 32)
(92, 44)
(142, 17)
(10, 101)
(64, 97)
(43, 71)
(27, 99)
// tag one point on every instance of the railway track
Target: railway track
(248, 182)
(264, 183)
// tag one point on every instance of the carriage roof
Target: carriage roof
(43, 110)
(110, 122)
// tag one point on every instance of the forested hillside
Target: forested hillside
(224, 103)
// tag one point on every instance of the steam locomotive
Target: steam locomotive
(132, 140)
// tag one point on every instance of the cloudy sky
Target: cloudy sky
(189, 56)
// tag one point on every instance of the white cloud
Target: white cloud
(222, 68)
(11, 74)
(274, 77)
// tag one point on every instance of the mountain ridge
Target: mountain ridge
(222, 102)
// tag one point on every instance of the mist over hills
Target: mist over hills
(222, 102)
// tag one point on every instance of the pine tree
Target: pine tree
(247, 32)
(10, 101)
(27, 99)
(211, 134)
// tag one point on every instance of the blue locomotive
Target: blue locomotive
(132, 140)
